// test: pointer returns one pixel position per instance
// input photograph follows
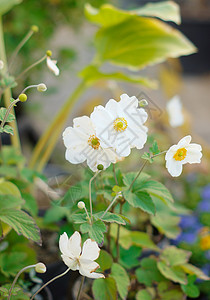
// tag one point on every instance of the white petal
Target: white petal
(74, 244)
(140, 136)
(174, 167)
(74, 137)
(87, 268)
(171, 151)
(174, 110)
(85, 125)
(52, 66)
(113, 108)
(63, 244)
(184, 142)
(90, 250)
(71, 263)
(77, 154)
(126, 102)
(193, 154)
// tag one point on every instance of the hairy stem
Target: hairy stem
(118, 236)
(90, 196)
(80, 287)
(31, 67)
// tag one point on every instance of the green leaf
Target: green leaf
(129, 258)
(147, 156)
(190, 269)
(141, 200)
(92, 74)
(154, 149)
(6, 5)
(148, 272)
(190, 289)
(30, 204)
(121, 278)
(104, 289)
(95, 230)
(55, 214)
(79, 218)
(129, 177)
(109, 218)
(175, 273)
(142, 239)
(173, 256)
(166, 224)
(10, 117)
(8, 129)
(10, 202)
(22, 223)
(7, 263)
(165, 10)
(136, 42)
(105, 260)
(143, 295)
(167, 291)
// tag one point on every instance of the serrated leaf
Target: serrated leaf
(10, 202)
(141, 200)
(110, 218)
(175, 274)
(121, 278)
(190, 269)
(143, 240)
(8, 129)
(92, 74)
(129, 177)
(166, 224)
(22, 223)
(10, 117)
(154, 149)
(79, 218)
(105, 260)
(95, 230)
(147, 156)
(104, 289)
(174, 256)
(190, 289)
(148, 272)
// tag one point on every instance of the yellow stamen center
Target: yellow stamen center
(93, 141)
(120, 124)
(180, 154)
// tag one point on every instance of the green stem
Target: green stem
(19, 46)
(48, 140)
(118, 236)
(31, 67)
(110, 205)
(8, 112)
(90, 196)
(16, 278)
(53, 279)
(115, 177)
(7, 93)
(80, 287)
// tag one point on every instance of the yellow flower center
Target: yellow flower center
(93, 141)
(180, 154)
(120, 124)
(205, 242)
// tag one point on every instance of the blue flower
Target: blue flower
(205, 194)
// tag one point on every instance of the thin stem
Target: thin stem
(53, 279)
(48, 140)
(8, 111)
(118, 236)
(90, 196)
(80, 287)
(31, 66)
(87, 213)
(144, 164)
(7, 92)
(115, 177)
(16, 278)
(29, 87)
(110, 205)
(19, 46)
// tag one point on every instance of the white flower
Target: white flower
(1, 65)
(52, 66)
(174, 110)
(120, 124)
(75, 259)
(41, 87)
(40, 268)
(182, 153)
(83, 144)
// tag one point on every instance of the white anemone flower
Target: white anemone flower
(51, 64)
(120, 124)
(182, 153)
(77, 259)
(83, 144)
(175, 112)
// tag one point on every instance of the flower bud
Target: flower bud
(40, 268)
(100, 167)
(1, 64)
(35, 28)
(143, 103)
(22, 97)
(41, 87)
(49, 53)
(81, 205)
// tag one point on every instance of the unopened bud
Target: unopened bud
(49, 53)
(81, 205)
(1, 64)
(100, 167)
(41, 87)
(40, 268)
(35, 28)
(22, 97)
(143, 103)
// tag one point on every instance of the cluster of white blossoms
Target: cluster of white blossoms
(79, 259)
(108, 134)
(182, 153)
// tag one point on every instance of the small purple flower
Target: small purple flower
(205, 194)
(187, 237)
(204, 205)
(207, 254)
(188, 221)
